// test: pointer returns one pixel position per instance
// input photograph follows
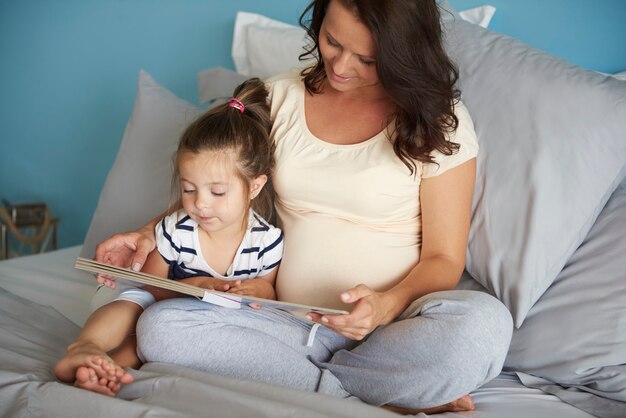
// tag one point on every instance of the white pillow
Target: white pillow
(480, 16)
(138, 185)
(263, 47)
(270, 49)
(620, 76)
(277, 52)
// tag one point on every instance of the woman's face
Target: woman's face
(347, 49)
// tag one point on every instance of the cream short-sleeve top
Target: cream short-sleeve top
(350, 213)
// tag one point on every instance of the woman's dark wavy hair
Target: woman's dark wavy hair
(412, 66)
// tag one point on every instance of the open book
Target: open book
(225, 299)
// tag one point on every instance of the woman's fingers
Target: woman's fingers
(127, 249)
(355, 294)
(350, 325)
(144, 248)
(360, 322)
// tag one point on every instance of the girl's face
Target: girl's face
(348, 49)
(212, 193)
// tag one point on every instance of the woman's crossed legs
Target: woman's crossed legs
(446, 345)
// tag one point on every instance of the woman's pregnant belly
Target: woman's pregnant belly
(324, 256)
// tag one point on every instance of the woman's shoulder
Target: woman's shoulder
(289, 77)
(285, 91)
(463, 114)
(464, 136)
(280, 84)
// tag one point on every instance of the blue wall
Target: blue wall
(69, 72)
(589, 33)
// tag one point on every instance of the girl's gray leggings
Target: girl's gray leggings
(445, 345)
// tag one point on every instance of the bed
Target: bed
(547, 239)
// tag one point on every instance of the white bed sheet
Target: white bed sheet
(32, 337)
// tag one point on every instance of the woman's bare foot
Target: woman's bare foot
(464, 403)
(88, 367)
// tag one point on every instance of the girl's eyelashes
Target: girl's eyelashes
(188, 191)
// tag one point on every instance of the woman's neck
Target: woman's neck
(372, 94)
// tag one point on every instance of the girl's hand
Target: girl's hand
(209, 283)
(371, 309)
(258, 287)
(124, 250)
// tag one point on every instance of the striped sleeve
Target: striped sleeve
(174, 238)
(271, 252)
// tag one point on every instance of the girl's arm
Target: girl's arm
(260, 287)
(156, 265)
(445, 205)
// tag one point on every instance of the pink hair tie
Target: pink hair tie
(237, 104)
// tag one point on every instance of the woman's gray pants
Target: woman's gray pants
(447, 344)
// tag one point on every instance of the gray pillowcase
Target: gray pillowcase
(552, 142)
(575, 334)
(137, 187)
(573, 341)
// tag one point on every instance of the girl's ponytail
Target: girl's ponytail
(242, 126)
(258, 155)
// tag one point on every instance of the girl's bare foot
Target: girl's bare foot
(464, 403)
(87, 378)
(88, 367)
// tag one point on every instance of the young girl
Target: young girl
(217, 240)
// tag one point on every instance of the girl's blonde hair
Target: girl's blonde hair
(241, 127)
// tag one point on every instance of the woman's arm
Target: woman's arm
(129, 249)
(445, 206)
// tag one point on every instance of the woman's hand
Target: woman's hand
(371, 309)
(128, 249)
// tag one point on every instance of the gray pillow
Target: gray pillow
(573, 341)
(575, 335)
(552, 142)
(138, 185)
